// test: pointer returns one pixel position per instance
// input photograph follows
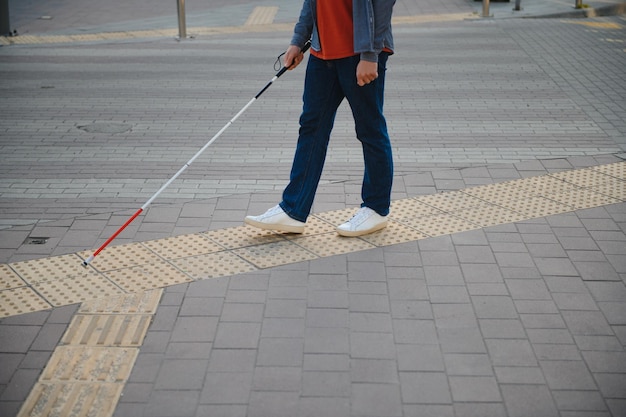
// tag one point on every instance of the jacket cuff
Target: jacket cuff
(369, 56)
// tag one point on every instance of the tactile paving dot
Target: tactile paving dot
(612, 189)
(617, 170)
(450, 201)
(21, 300)
(147, 277)
(410, 208)
(331, 244)
(274, 254)
(9, 279)
(440, 225)
(122, 256)
(138, 303)
(537, 207)
(489, 215)
(76, 289)
(242, 236)
(76, 399)
(583, 177)
(582, 198)
(213, 265)
(182, 246)
(393, 234)
(46, 269)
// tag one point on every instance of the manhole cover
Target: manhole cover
(106, 128)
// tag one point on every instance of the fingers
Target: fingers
(366, 72)
(293, 57)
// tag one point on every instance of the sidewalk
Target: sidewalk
(498, 289)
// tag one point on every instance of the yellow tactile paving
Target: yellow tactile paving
(21, 300)
(213, 265)
(262, 16)
(72, 399)
(86, 373)
(9, 278)
(146, 277)
(137, 267)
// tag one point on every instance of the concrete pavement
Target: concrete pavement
(514, 308)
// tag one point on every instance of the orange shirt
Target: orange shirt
(334, 25)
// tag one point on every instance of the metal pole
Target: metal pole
(518, 5)
(485, 8)
(182, 26)
(5, 26)
(579, 4)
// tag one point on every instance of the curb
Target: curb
(612, 10)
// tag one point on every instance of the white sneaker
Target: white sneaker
(365, 221)
(276, 219)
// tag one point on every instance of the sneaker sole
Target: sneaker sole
(355, 233)
(275, 227)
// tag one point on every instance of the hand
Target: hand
(293, 57)
(366, 72)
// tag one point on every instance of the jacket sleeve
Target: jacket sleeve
(304, 28)
(378, 28)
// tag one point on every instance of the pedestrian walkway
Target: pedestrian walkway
(497, 290)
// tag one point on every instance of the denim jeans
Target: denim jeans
(327, 83)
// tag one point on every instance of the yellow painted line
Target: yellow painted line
(126, 269)
(597, 25)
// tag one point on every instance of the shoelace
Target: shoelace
(360, 216)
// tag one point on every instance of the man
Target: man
(350, 43)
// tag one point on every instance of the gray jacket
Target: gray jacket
(372, 27)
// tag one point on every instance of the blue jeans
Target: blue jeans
(327, 83)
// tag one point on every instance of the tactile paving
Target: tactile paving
(9, 279)
(450, 201)
(395, 233)
(118, 330)
(90, 364)
(489, 215)
(239, 237)
(72, 399)
(76, 289)
(617, 170)
(47, 269)
(145, 302)
(582, 198)
(330, 244)
(147, 277)
(498, 192)
(410, 208)
(615, 189)
(314, 226)
(274, 254)
(21, 300)
(542, 185)
(537, 207)
(213, 265)
(583, 177)
(440, 225)
(182, 246)
(122, 256)
(337, 217)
